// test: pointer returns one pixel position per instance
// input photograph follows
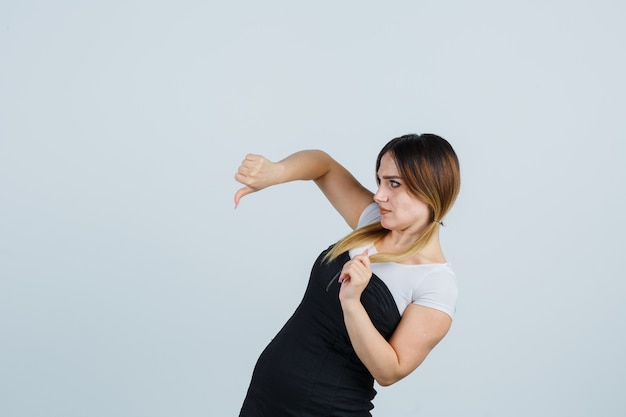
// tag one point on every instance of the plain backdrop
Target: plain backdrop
(130, 287)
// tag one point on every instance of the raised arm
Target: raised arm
(343, 191)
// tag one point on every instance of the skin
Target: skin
(404, 215)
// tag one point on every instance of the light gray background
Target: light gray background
(129, 285)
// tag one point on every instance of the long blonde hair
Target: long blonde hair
(430, 169)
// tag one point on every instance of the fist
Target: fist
(354, 277)
(255, 173)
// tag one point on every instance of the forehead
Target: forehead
(388, 165)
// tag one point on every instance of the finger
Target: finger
(242, 192)
(351, 268)
(248, 161)
(344, 272)
(363, 259)
(243, 169)
(247, 166)
(249, 169)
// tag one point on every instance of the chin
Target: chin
(386, 225)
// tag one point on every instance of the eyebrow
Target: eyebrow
(391, 177)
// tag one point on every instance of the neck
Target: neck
(396, 242)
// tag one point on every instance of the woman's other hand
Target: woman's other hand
(354, 277)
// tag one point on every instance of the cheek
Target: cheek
(420, 209)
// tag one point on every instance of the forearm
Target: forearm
(343, 191)
(378, 356)
(304, 165)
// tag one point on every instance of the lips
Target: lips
(383, 211)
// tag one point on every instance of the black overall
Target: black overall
(310, 368)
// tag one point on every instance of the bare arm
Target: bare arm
(343, 191)
(419, 331)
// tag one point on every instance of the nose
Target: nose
(380, 196)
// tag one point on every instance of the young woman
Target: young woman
(377, 301)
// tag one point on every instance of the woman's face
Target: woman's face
(400, 210)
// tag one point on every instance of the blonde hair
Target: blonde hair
(430, 169)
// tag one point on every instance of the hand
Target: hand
(354, 277)
(256, 173)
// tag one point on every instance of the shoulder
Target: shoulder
(438, 289)
(430, 285)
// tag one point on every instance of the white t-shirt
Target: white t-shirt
(429, 285)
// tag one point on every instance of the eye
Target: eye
(394, 184)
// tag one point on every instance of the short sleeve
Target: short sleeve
(438, 290)
(370, 215)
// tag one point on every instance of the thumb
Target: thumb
(242, 192)
(364, 257)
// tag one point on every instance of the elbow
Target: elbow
(390, 377)
(385, 382)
